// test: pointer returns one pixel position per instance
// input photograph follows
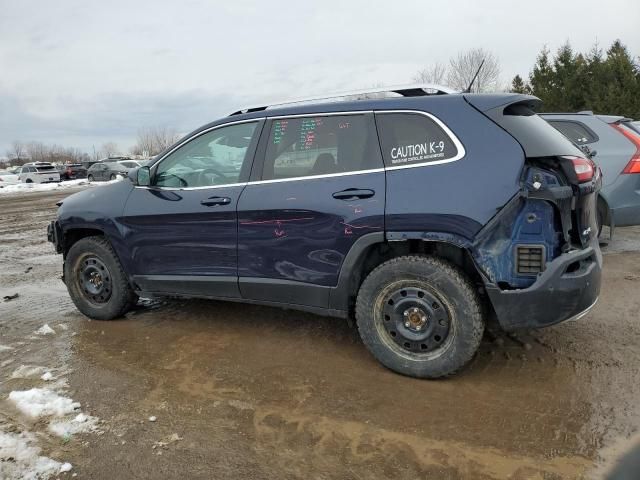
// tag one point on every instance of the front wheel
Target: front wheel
(90, 178)
(420, 316)
(112, 177)
(96, 282)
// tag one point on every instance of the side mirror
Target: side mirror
(140, 176)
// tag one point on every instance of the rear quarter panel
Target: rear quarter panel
(461, 196)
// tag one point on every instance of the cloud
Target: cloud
(81, 73)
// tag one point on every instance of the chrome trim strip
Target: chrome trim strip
(459, 147)
(578, 316)
(314, 177)
(177, 189)
(320, 114)
(202, 133)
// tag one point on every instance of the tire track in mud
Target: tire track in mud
(264, 393)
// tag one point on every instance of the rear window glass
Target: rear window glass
(301, 147)
(410, 138)
(574, 131)
(45, 169)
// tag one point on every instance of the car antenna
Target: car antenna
(468, 90)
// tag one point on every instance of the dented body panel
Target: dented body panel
(507, 200)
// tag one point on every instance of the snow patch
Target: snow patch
(47, 376)
(28, 371)
(20, 458)
(40, 402)
(81, 423)
(5, 348)
(45, 330)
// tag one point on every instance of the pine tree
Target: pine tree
(519, 86)
(541, 79)
(622, 94)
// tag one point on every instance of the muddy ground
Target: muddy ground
(259, 393)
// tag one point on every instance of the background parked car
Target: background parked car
(616, 144)
(39, 172)
(130, 163)
(72, 171)
(106, 171)
(8, 178)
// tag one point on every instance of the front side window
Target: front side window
(412, 138)
(211, 159)
(321, 145)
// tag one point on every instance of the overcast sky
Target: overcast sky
(81, 73)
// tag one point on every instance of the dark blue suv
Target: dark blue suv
(423, 217)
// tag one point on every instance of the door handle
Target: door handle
(215, 201)
(353, 193)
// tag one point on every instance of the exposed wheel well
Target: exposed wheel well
(73, 235)
(379, 253)
(603, 206)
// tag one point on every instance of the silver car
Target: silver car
(615, 141)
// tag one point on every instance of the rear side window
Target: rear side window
(413, 138)
(577, 132)
(320, 145)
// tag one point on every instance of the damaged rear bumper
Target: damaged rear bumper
(567, 289)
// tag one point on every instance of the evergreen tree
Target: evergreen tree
(519, 86)
(571, 82)
(541, 78)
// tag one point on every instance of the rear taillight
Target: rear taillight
(634, 164)
(585, 168)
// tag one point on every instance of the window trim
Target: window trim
(251, 152)
(461, 151)
(583, 125)
(258, 172)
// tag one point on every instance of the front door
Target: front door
(320, 186)
(182, 230)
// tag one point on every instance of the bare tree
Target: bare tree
(109, 149)
(464, 66)
(17, 153)
(37, 151)
(435, 73)
(154, 140)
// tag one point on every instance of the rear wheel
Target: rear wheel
(90, 178)
(96, 282)
(420, 316)
(112, 176)
(28, 180)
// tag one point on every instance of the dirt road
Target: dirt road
(258, 393)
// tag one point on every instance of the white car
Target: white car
(130, 163)
(8, 178)
(39, 172)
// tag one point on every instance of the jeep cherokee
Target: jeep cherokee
(421, 216)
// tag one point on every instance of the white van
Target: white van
(39, 172)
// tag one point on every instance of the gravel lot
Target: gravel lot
(253, 392)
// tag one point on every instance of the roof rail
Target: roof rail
(415, 90)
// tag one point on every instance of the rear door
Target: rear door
(318, 187)
(182, 230)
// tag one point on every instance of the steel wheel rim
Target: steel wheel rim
(94, 280)
(431, 338)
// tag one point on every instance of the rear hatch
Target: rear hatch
(48, 172)
(547, 150)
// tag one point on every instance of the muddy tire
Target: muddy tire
(96, 281)
(420, 316)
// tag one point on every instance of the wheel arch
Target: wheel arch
(371, 250)
(72, 235)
